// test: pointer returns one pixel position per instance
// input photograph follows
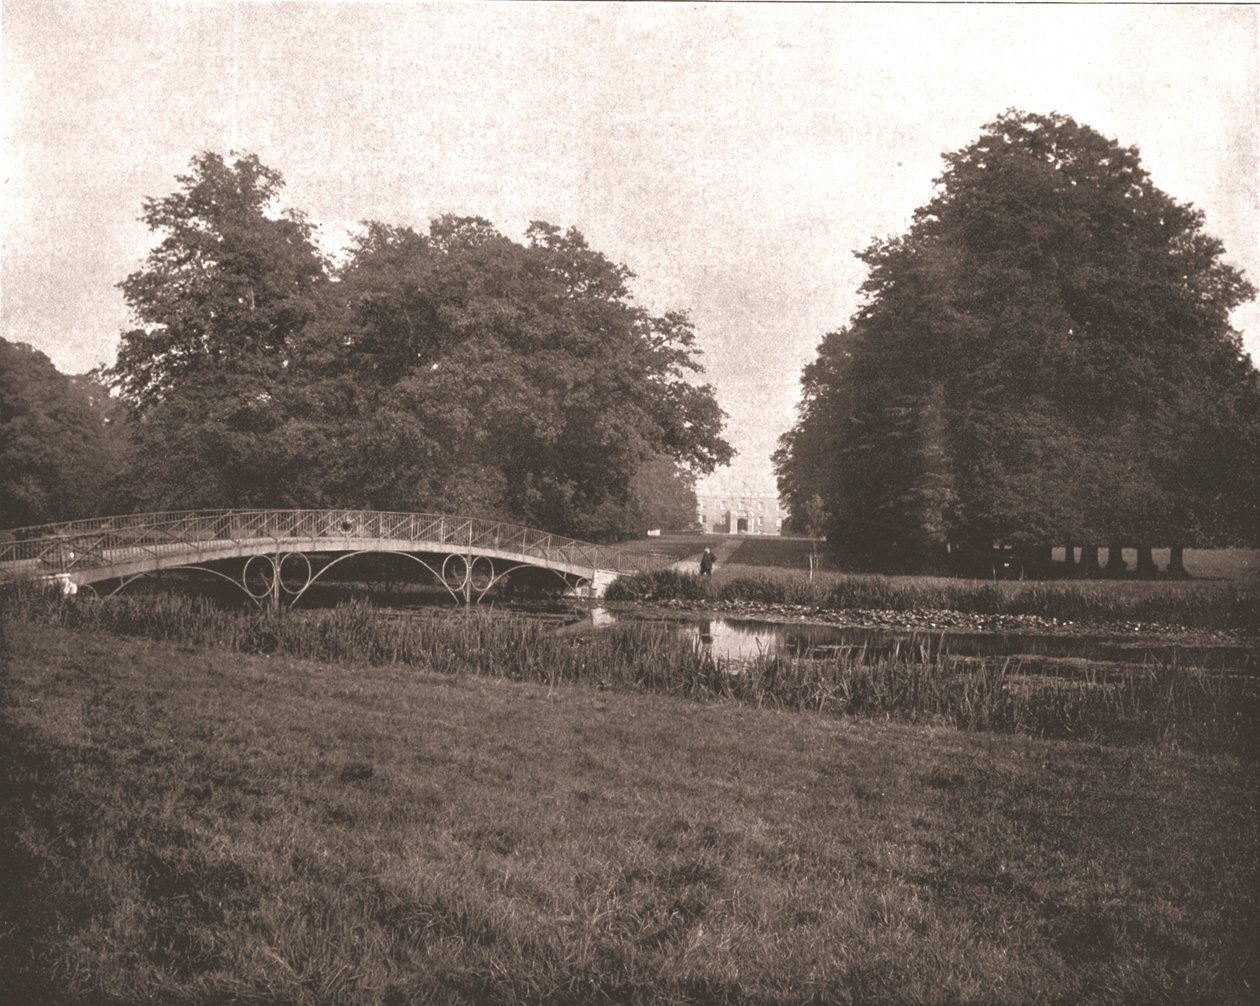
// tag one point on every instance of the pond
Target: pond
(741, 639)
(732, 638)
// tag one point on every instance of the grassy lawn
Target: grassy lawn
(677, 545)
(750, 550)
(1239, 565)
(182, 825)
(772, 550)
(1236, 565)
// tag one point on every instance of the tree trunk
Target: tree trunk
(1040, 558)
(1069, 556)
(1089, 560)
(1145, 561)
(1115, 558)
(1176, 562)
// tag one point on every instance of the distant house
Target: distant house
(743, 511)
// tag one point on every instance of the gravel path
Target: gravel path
(723, 549)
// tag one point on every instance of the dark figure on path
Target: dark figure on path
(706, 563)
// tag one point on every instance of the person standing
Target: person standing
(707, 559)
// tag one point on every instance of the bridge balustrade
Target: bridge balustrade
(91, 543)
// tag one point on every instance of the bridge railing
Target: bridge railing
(92, 543)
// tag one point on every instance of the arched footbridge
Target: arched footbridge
(275, 556)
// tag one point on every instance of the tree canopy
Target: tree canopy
(1045, 356)
(452, 369)
(59, 449)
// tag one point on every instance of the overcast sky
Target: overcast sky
(734, 157)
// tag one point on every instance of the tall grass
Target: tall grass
(916, 682)
(1200, 605)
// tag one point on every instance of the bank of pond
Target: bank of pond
(1204, 696)
(1196, 604)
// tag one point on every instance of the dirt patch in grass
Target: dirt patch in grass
(197, 826)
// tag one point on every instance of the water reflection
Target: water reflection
(741, 639)
(706, 632)
(733, 641)
(745, 639)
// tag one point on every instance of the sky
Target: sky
(734, 157)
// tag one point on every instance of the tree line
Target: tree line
(452, 369)
(1044, 359)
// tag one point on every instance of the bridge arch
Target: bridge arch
(124, 547)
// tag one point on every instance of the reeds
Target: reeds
(1201, 605)
(914, 681)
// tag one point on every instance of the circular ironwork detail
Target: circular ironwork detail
(305, 576)
(460, 571)
(482, 573)
(268, 574)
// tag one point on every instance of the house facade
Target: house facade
(741, 511)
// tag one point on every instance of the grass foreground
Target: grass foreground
(189, 825)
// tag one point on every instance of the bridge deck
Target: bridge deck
(91, 551)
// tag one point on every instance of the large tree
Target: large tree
(222, 303)
(518, 379)
(453, 369)
(662, 496)
(225, 293)
(1046, 356)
